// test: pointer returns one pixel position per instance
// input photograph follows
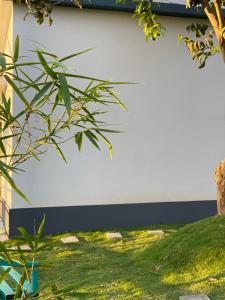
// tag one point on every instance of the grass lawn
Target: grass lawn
(188, 259)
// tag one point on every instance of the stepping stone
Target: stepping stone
(195, 297)
(22, 247)
(211, 279)
(70, 239)
(157, 232)
(114, 235)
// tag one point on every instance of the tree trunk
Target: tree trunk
(216, 18)
(220, 181)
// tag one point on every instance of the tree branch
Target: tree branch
(219, 13)
(215, 22)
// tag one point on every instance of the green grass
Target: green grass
(141, 266)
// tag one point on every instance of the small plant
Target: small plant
(53, 106)
(20, 265)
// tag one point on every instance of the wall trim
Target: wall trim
(73, 218)
(164, 9)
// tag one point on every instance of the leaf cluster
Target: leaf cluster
(57, 106)
(40, 9)
(202, 47)
(190, 3)
(151, 28)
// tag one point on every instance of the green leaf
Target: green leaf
(16, 49)
(19, 287)
(5, 137)
(5, 274)
(41, 93)
(44, 52)
(118, 101)
(40, 229)
(74, 55)
(2, 147)
(2, 61)
(18, 92)
(6, 104)
(65, 92)
(108, 130)
(97, 79)
(26, 236)
(79, 139)
(89, 135)
(59, 150)
(57, 100)
(106, 141)
(11, 182)
(4, 253)
(46, 67)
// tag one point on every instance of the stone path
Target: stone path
(195, 297)
(22, 247)
(113, 235)
(156, 232)
(70, 239)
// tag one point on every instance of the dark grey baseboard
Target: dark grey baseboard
(69, 218)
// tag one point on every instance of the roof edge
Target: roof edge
(164, 9)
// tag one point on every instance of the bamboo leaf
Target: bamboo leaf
(45, 52)
(109, 145)
(40, 229)
(5, 274)
(11, 182)
(46, 67)
(16, 49)
(19, 287)
(2, 147)
(26, 236)
(74, 55)
(18, 92)
(108, 130)
(79, 139)
(41, 93)
(91, 139)
(5, 137)
(58, 150)
(4, 253)
(118, 101)
(57, 100)
(2, 61)
(6, 104)
(65, 92)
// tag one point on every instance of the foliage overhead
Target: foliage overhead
(199, 40)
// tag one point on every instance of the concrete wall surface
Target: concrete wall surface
(174, 130)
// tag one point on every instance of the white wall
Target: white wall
(175, 124)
